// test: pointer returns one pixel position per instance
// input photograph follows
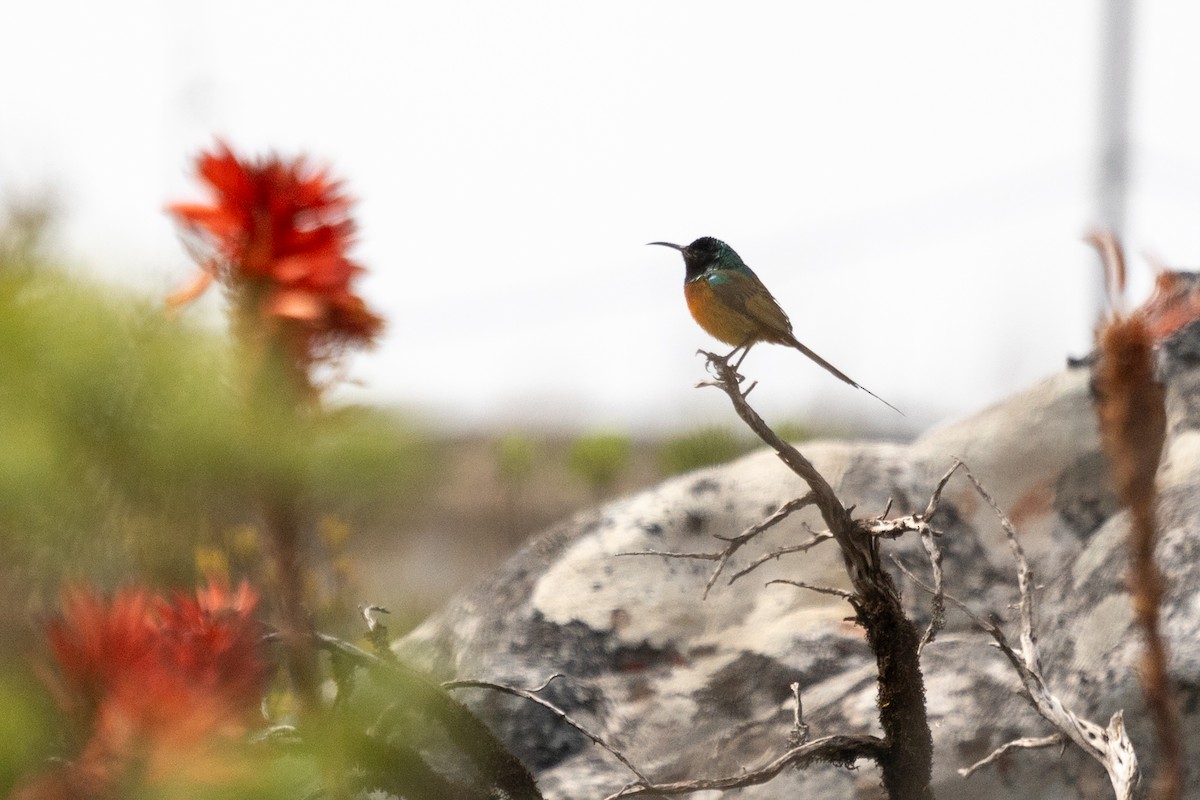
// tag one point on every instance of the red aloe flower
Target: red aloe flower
(1174, 304)
(97, 642)
(277, 234)
(163, 685)
(213, 639)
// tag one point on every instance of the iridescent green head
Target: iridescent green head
(707, 253)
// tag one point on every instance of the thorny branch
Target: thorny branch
(531, 696)
(818, 589)
(735, 543)
(808, 544)
(833, 749)
(1028, 743)
(836, 515)
(907, 751)
(929, 541)
(420, 690)
(1110, 746)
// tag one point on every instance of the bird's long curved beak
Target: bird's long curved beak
(666, 244)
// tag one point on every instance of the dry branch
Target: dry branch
(531, 696)
(1028, 743)
(818, 589)
(734, 543)
(833, 749)
(1110, 746)
(817, 538)
(799, 734)
(906, 753)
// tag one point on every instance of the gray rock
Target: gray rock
(690, 688)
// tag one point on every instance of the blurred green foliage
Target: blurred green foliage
(516, 456)
(26, 717)
(129, 454)
(599, 459)
(126, 444)
(793, 432)
(701, 448)
(119, 427)
(366, 459)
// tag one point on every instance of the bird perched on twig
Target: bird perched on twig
(728, 301)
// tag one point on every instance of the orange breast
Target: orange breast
(719, 320)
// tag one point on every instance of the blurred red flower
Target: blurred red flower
(1174, 304)
(162, 688)
(98, 641)
(277, 232)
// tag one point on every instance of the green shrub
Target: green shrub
(516, 455)
(700, 448)
(599, 459)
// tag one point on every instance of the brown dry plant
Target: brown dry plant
(1132, 418)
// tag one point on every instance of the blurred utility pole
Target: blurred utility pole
(1113, 168)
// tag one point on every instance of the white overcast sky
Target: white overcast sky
(911, 180)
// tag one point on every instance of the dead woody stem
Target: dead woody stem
(1109, 746)
(905, 759)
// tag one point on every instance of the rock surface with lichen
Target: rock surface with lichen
(688, 687)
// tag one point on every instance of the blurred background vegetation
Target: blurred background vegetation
(125, 459)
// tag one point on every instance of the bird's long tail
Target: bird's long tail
(792, 341)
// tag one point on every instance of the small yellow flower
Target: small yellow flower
(212, 563)
(333, 532)
(243, 541)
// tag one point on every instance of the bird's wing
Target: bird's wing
(747, 295)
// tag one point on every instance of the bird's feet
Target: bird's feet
(719, 367)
